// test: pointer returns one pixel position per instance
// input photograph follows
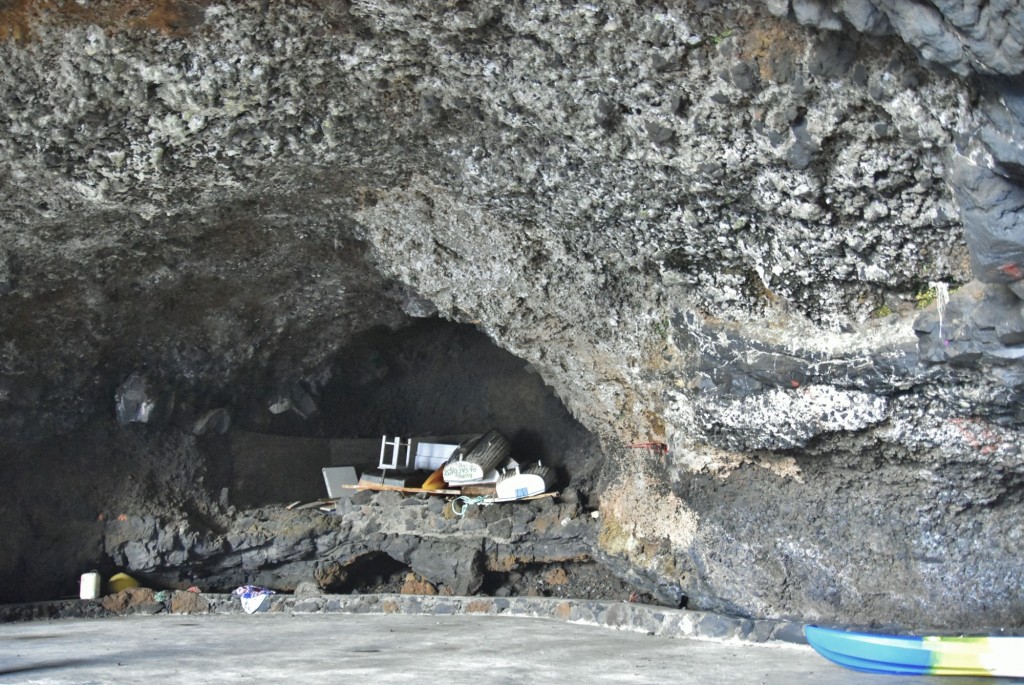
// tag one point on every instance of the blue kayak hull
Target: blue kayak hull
(902, 655)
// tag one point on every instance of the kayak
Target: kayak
(898, 655)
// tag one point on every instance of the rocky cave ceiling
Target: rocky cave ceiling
(785, 238)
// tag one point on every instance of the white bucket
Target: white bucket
(89, 586)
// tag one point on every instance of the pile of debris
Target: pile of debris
(475, 470)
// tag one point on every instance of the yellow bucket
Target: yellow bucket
(120, 581)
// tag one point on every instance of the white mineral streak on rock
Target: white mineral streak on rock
(699, 458)
(789, 418)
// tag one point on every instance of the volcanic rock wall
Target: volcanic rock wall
(748, 230)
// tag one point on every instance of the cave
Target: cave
(191, 466)
(748, 275)
(425, 378)
(433, 377)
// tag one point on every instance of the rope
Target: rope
(465, 502)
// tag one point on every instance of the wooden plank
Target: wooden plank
(395, 488)
(478, 490)
(314, 505)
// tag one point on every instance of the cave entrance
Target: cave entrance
(432, 378)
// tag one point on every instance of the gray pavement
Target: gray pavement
(394, 648)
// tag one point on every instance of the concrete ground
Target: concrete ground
(393, 648)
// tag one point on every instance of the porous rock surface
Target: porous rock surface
(704, 224)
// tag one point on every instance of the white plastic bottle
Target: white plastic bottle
(89, 585)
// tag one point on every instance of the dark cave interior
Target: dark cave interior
(431, 377)
(434, 378)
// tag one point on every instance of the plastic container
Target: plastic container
(120, 581)
(89, 585)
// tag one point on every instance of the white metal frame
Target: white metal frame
(396, 446)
